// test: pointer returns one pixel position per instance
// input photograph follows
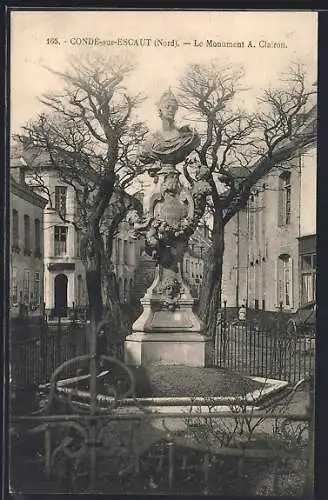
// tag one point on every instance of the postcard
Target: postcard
(162, 251)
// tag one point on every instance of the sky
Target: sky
(159, 67)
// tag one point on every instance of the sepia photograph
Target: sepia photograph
(162, 252)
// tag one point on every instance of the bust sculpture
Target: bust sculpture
(171, 145)
(171, 216)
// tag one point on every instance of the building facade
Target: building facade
(26, 245)
(64, 273)
(126, 254)
(64, 276)
(307, 239)
(193, 260)
(266, 263)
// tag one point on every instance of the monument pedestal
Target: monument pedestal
(189, 349)
(168, 331)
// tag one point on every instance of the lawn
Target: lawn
(156, 380)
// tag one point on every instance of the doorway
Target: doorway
(61, 295)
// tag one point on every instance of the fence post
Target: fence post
(222, 344)
(74, 318)
(47, 451)
(206, 468)
(278, 341)
(281, 340)
(309, 480)
(217, 331)
(43, 312)
(58, 343)
(43, 344)
(171, 446)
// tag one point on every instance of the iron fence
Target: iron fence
(127, 454)
(34, 359)
(104, 446)
(265, 350)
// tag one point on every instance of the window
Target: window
(251, 220)
(120, 290)
(26, 289)
(79, 290)
(60, 240)
(125, 290)
(27, 229)
(36, 289)
(121, 243)
(284, 198)
(131, 253)
(60, 200)
(14, 290)
(308, 273)
(78, 244)
(117, 251)
(131, 286)
(37, 236)
(78, 202)
(284, 281)
(125, 252)
(15, 229)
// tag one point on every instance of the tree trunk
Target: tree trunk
(93, 280)
(93, 247)
(210, 295)
(115, 330)
(92, 256)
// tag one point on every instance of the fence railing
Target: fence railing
(270, 352)
(128, 454)
(107, 447)
(34, 359)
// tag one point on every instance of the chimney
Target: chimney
(22, 175)
(18, 168)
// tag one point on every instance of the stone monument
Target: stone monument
(168, 331)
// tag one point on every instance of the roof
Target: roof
(18, 162)
(36, 155)
(29, 154)
(310, 118)
(239, 172)
(199, 236)
(27, 193)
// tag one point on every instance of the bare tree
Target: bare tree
(90, 137)
(259, 142)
